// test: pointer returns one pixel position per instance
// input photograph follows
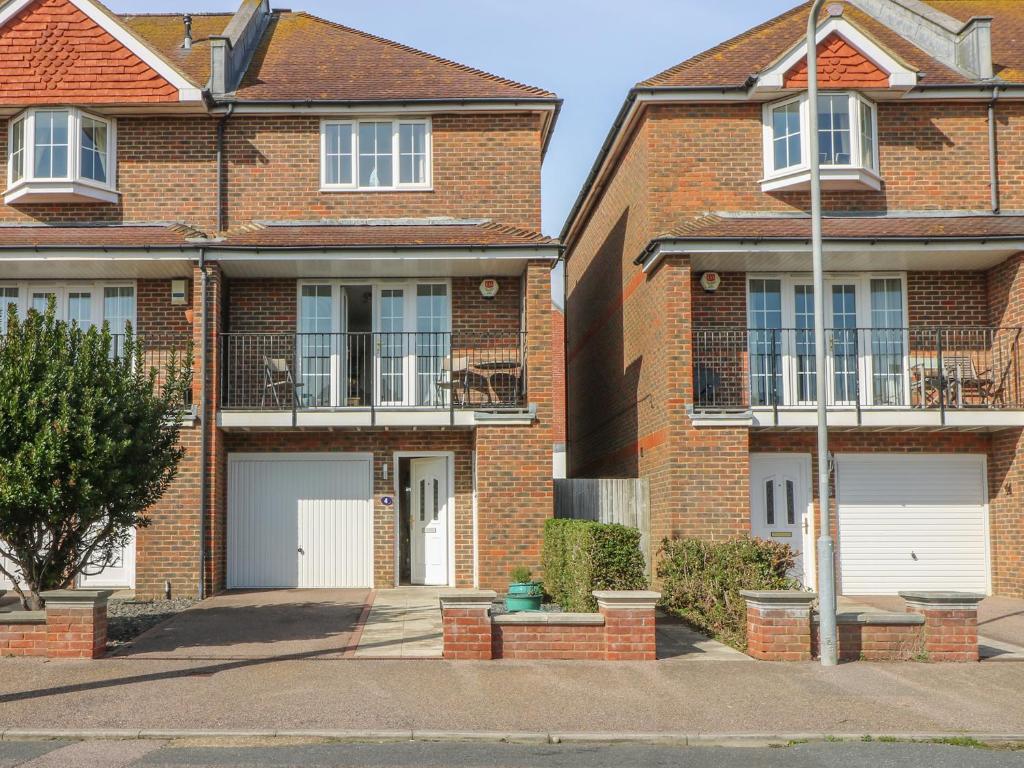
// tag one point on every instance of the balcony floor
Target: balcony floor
(364, 418)
(977, 419)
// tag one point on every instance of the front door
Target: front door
(429, 521)
(779, 508)
(120, 573)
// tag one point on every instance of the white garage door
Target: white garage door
(912, 522)
(299, 520)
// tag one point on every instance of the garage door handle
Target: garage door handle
(302, 551)
(913, 555)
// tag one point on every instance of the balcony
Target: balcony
(877, 377)
(374, 379)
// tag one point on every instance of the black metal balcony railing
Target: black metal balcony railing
(925, 368)
(424, 370)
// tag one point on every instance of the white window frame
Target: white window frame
(781, 178)
(862, 280)
(410, 319)
(74, 184)
(397, 185)
(62, 288)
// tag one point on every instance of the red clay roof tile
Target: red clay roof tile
(327, 235)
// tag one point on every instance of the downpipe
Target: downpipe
(204, 439)
(993, 151)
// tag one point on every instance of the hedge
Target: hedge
(580, 556)
(701, 581)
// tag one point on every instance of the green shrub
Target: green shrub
(701, 581)
(581, 556)
(521, 575)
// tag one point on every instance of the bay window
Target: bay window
(847, 143)
(60, 155)
(372, 155)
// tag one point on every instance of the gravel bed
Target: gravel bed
(127, 619)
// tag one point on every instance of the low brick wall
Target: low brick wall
(73, 626)
(623, 630)
(938, 626)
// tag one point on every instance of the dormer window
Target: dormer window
(60, 155)
(847, 145)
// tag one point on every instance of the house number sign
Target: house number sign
(387, 501)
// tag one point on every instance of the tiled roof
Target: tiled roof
(382, 235)
(956, 226)
(1007, 30)
(303, 57)
(115, 236)
(164, 33)
(736, 60)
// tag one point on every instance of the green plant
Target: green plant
(521, 575)
(581, 556)
(701, 581)
(88, 441)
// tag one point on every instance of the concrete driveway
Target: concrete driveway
(254, 624)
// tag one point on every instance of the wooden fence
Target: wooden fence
(623, 501)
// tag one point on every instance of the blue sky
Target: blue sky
(587, 51)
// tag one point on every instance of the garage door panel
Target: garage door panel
(912, 522)
(299, 521)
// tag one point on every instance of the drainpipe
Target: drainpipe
(203, 413)
(993, 158)
(221, 125)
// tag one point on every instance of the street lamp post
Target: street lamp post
(827, 650)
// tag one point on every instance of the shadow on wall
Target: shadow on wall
(603, 404)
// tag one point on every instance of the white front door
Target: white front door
(429, 521)
(779, 503)
(120, 573)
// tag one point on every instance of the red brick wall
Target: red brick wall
(157, 319)
(484, 166)
(261, 306)
(473, 314)
(947, 299)
(166, 171)
(547, 641)
(514, 486)
(23, 639)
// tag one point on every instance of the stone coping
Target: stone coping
(467, 597)
(626, 599)
(550, 618)
(22, 617)
(942, 599)
(875, 618)
(76, 597)
(779, 597)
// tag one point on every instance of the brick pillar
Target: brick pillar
(76, 623)
(779, 625)
(628, 624)
(950, 623)
(466, 622)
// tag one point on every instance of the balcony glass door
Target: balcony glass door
(765, 351)
(844, 355)
(433, 344)
(393, 364)
(888, 363)
(315, 347)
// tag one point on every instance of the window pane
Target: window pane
(867, 136)
(338, 154)
(93, 154)
(41, 300)
(887, 346)
(769, 502)
(80, 308)
(834, 129)
(790, 504)
(118, 307)
(412, 148)
(18, 150)
(807, 382)
(786, 135)
(765, 341)
(375, 155)
(8, 296)
(51, 144)
(432, 341)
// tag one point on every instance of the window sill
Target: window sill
(62, 191)
(373, 190)
(851, 178)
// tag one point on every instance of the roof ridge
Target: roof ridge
(513, 230)
(433, 57)
(709, 52)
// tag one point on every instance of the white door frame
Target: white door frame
(808, 552)
(449, 457)
(981, 458)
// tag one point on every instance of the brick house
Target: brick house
(347, 231)
(690, 349)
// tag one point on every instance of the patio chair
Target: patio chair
(277, 376)
(454, 379)
(970, 387)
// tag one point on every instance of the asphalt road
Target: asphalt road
(154, 754)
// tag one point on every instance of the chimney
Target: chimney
(231, 52)
(187, 19)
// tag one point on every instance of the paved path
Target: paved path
(403, 623)
(425, 755)
(308, 691)
(256, 624)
